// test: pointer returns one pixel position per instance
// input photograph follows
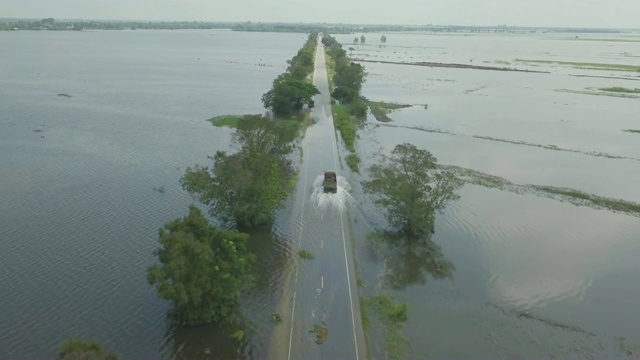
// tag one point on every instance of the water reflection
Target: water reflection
(409, 263)
(213, 341)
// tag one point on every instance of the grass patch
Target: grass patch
(238, 335)
(306, 255)
(420, 128)
(502, 62)
(584, 65)
(230, 121)
(353, 161)
(598, 93)
(321, 332)
(364, 315)
(555, 148)
(632, 131)
(381, 109)
(619, 89)
(330, 65)
(531, 316)
(345, 125)
(392, 316)
(617, 205)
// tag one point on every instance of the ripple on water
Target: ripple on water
(533, 251)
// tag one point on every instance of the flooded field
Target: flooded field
(538, 258)
(96, 129)
(533, 274)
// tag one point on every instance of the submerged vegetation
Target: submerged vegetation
(392, 317)
(571, 196)
(553, 147)
(525, 314)
(619, 89)
(77, 349)
(619, 94)
(305, 254)
(346, 82)
(632, 131)
(230, 121)
(321, 331)
(381, 109)
(584, 65)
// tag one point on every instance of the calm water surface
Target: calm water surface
(78, 213)
(532, 276)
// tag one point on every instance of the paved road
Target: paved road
(321, 291)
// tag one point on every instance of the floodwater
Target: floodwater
(78, 211)
(531, 276)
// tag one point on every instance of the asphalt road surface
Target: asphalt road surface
(322, 291)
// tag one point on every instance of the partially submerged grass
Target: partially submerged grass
(353, 161)
(364, 315)
(420, 128)
(632, 131)
(305, 254)
(572, 196)
(599, 93)
(347, 127)
(525, 314)
(321, 332)
(619, 89)
(555, 148)
(230, 121)
(392, 316)
(616, 205)
(584, 65)
(381, 109)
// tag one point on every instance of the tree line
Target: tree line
(293, 89)
(202, 269)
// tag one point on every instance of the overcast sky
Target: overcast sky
(571, 13)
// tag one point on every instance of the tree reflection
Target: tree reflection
(410, 262)
(213, 341)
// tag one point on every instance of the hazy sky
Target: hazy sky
(574, 13)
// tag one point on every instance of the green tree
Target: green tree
(351, 76)
(356, 40)
(247, 187)
(257, 134)
(76, 349)
(288, 94)
(383, 39)
(201, 269)
(410, 188)
(362, 39)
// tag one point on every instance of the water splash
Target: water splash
(337, 201)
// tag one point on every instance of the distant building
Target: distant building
(48, 24)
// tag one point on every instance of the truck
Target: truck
(330, 184)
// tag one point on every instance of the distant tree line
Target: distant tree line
(348, 78)
(292, 89)
(202, 269)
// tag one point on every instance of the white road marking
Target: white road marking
(295, 284)
(344, 244)
(321, 282)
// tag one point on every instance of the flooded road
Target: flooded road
(320, 307)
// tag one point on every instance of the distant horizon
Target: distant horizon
(5, 19)
(594, 14)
